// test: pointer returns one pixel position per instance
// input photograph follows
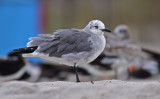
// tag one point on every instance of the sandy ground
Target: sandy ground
(108, 89)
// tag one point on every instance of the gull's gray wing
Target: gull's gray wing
(62, 42)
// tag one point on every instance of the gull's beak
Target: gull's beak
(106, 30)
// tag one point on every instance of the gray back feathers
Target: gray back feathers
(62, 42)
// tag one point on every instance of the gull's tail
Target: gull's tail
(25, 50)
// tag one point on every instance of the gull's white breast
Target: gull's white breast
(98, 45)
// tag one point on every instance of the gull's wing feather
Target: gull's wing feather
(62, 42)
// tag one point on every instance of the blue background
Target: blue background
(18, 21)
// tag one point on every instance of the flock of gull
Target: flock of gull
(121, 58)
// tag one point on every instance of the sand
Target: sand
(108, 89)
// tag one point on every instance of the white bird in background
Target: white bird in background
(130, 55)
(120, 43)
(69, 46)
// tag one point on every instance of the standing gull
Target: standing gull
(69, 46)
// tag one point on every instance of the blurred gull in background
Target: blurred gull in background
(132, 60)
(120, 43)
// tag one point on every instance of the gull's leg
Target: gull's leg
(116, 73)
(76, 71)
(129, 75)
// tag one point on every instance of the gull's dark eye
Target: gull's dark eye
(96, 27)
(122, 31)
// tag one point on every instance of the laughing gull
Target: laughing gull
(69, 46)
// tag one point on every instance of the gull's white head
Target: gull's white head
(96, 27)
(122, 31)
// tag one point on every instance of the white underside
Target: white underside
(14, 76)
(96, 52)
(34, 73)
(65, 61)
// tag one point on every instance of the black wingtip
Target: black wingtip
(14, 53)
(20, 51)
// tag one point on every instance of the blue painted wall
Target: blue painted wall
(19, 20)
